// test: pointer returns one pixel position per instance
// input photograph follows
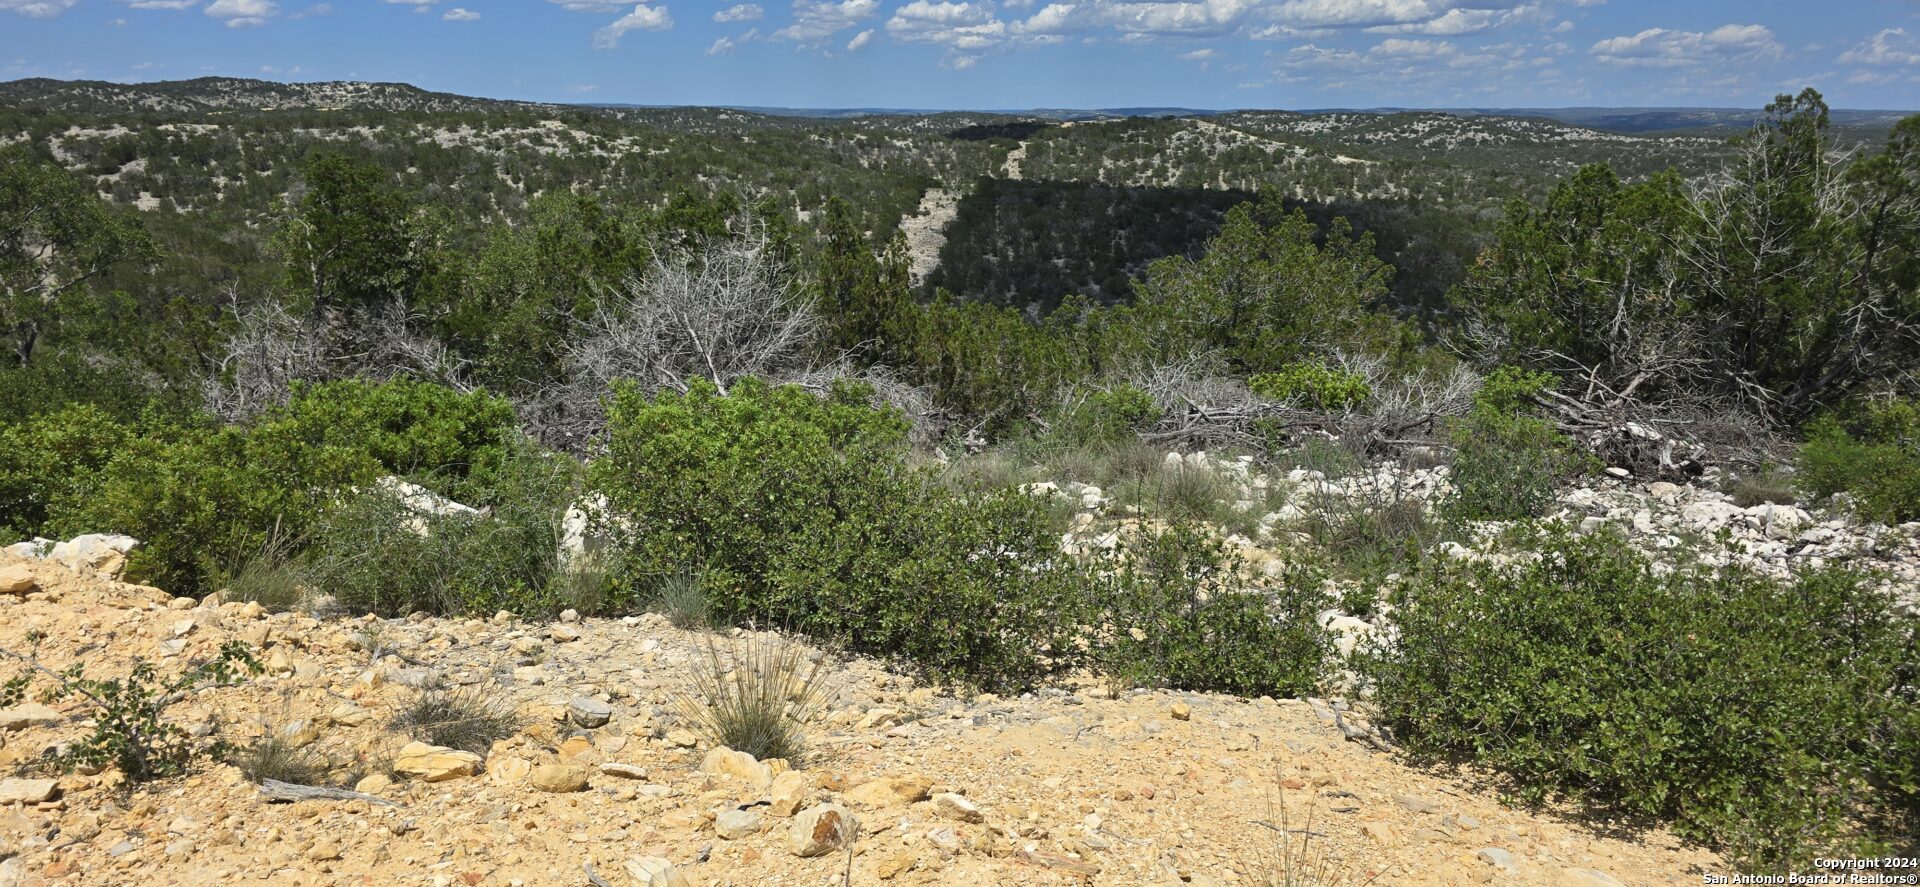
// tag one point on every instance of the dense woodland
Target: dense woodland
(230, 310)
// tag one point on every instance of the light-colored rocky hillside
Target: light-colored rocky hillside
(1067, 787)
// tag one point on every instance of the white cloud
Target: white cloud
(642, 18)
(600, 6)
(36, 8)
(740, 12)
(418, 5)
(816, 20)
(860, 40)
(460, 14)
(721, 46)
(1892, 46)
(157, 4)
(243, 13)
(1661, 48)
(1197, 55)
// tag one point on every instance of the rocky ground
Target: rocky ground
(1059, 788)
(1071, 786)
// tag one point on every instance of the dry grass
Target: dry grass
(1295, 855)
(464, 718)
(756, 695)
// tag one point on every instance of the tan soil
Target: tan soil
(1118, 788)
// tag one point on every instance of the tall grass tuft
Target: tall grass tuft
(757, 695)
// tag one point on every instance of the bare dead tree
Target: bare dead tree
(724, 310)
(272, 348)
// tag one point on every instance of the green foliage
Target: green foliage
(377, 552)
(804, 512)
(1272, 289)
(1313, 385)
(1776, 721)
(1764, 486)
(202, 498)
(1751, 291)
(357, 242)
(129, 727)
(1508, 462)
(1875, 458)
(1105, 416)
(57, 237)
(757, 697)
(48, 457)
(1181, 613)
(469, 718)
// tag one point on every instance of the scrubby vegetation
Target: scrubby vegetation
(1774, 720)
(711, 406)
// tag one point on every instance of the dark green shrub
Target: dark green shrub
(1508, 462)
(48, 456)
(1313, 386)
(203, 498)
(1180, 613)
(804, 512)
(1105, 417)
(1772, 720)
(1875, 458)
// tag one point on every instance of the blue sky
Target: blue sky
(1007, 53)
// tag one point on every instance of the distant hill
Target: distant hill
(233, 93)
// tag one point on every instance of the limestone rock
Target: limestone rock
(32, 714)
(1182, 711)
(589, 712)
(955, 806)
(682, 738)
(889, 791)
(17, 579)
(724, 761)
(28, 791)
(736, 824)
(623, 771)
(559, 778)
(820, 830)
(433, 763)
(791, 791)
(1588, 878)
(652, 871)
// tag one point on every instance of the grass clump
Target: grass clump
(1294, 855)
(681, 596)
(1763, 487)
(1775, 721)
(757, 696)
(275, 757)
(466, 718)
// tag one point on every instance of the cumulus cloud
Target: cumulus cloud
(599, 6)
(243, 13)
(36, 8)
(1891, 47)
(860, 40)
(151, 4)
(1197, 55)
(816, 20)
(459, 14)
(642, 18)
(722, 46)
(1662, 48)
(740, 12)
